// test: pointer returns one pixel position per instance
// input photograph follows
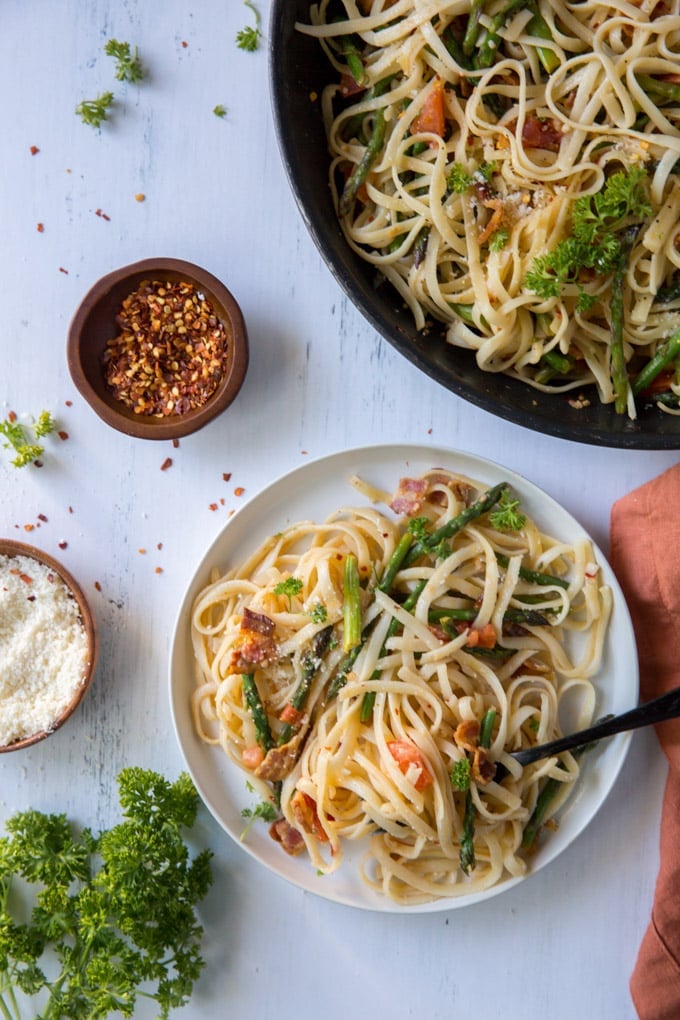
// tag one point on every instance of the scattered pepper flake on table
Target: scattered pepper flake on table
(34, 150)
(171, 353)
(166, 464)
(40, 228)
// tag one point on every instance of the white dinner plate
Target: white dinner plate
(312, 492)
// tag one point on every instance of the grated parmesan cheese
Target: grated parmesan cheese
(43, 648)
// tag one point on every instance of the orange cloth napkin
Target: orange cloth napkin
(645, 555)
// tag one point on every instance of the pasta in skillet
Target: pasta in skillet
(513, 170)
(371, 673)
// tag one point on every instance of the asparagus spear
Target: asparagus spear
(618, 361)
(664, 356)
(467, 841)
(311, 663)
(472, 29)
(368, 699)
(430, 543)
(251, 694)
(538, 26)
(352, 604)
(354, 60)
(535, 576)
(370, 155)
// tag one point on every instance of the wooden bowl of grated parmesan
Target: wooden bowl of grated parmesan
(48, 645)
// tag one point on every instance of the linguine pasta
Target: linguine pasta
(371, 673)
(512, 170)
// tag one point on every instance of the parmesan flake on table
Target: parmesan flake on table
(43, 647)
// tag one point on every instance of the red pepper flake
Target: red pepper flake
(166, 464)
(221, 500)
(70, 509)
(139, 197)
(159, 546)
(41, 517)
(25, 578)
(63, 545)
(34, 150)
(12, 416)
(239, 490)
(40, 228)
(29, 527)
(175, 443)
(103, 215)
(158, 570)
(62, 435)
(69, 403)
(213, 506)
(97, 585)
(184, 44)
(37, 463)
(226, 475)
(62, 270)
(30, 598)
(142, 551)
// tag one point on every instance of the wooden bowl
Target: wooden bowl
(10, 548)
(94, 325)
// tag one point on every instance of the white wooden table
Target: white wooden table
(561, 944)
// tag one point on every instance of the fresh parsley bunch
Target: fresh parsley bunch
(115, 911)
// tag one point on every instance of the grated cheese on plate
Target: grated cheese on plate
(43, 647)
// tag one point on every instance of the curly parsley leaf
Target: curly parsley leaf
(595, 240)
(128, 63)
(460, 775)
(248, 38)
(290, 587)
(265, 810)
(507, 516)
(318, 613)
(95, 111)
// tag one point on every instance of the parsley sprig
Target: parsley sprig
(507, 516)
(128, 62)
(248, 38)
(595, 241)
(115, 911)
(18, 438)
(264, 810)
(95, 111)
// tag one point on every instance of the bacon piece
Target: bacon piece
(467, 735)
(292, 841)
(279, 761)
(304, 809)
(541, 133)
(482, 770)
(255, 645)
(409, 496)
(349, 86)
(257, 622)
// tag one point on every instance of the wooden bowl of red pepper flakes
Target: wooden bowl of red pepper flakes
(158, 348)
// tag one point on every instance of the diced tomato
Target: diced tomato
(482, 637)
(661, 383)
(407, 754)
(252, 756)
(291, 715)
(431, 118)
